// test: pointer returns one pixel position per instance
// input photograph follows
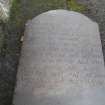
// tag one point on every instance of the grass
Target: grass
(73, 5)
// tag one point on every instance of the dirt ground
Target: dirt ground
(9, 61)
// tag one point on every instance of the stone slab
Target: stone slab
(61, 61)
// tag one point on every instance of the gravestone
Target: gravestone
(61, 61)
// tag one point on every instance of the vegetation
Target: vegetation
(73, 5)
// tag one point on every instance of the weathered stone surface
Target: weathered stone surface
(62, 62)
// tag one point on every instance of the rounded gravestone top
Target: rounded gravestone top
(64, 15)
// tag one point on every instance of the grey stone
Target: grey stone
(5, 9)
(61, 61)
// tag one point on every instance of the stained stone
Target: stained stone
(61, 61)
